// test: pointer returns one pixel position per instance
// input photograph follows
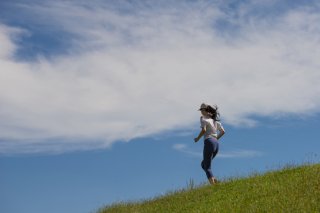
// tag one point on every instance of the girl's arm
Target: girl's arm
(221, 132)
(203, 130)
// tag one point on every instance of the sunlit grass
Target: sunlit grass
(291, 189)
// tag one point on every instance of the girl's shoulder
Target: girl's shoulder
(203, 118)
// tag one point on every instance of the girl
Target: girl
(212, 130)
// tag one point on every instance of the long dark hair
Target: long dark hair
(213, 110)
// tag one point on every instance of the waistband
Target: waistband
(211, 139)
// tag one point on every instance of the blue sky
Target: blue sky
(99, 100)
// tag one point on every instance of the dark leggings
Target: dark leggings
(210, 150)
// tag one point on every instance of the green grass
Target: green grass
(294, 189)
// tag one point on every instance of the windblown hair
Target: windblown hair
(213, 110)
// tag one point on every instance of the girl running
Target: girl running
(212, 130)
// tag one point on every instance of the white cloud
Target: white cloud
(139, 73)
(229, 154)
(240, 154)
(184, 149)
(7, 46)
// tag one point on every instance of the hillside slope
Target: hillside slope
(287, 190)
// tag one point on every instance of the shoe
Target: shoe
(215, 181)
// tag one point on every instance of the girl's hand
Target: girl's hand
(196, 140)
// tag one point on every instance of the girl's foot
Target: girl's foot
(213, 180)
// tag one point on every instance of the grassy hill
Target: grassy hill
(288, 190)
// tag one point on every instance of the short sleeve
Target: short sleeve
(202, 122)
(219, 126)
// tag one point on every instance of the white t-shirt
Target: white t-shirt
(211, 127)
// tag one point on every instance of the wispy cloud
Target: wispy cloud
(139, 69)
(241, 154)
(229, 154)
(184, 148)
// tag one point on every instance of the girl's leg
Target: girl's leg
(215, 152)
(215, 148)
(211, 148)
(207, 156)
